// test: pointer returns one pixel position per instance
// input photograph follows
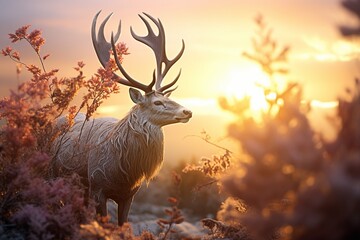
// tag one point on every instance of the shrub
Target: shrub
(34, 206)
(292, 184)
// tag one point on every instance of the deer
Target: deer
(116, 156)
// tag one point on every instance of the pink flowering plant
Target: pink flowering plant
(32, 204)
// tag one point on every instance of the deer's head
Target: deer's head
(155, 103)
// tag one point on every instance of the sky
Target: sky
(216, 33)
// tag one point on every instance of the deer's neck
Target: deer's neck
(142, 146)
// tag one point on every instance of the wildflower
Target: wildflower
(80, 65)
(15, 55)
(20, 33)
(6, 51)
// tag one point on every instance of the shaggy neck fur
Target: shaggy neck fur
(139, 144)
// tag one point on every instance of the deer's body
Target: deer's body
(114, 156)
(131, 146)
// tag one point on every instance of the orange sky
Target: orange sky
(215, 34)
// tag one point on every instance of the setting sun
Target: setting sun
(246, 82)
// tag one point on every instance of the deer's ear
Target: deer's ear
(136, 95)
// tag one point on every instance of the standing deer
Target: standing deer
(115, 156)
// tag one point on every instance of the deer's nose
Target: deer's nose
(187, 113)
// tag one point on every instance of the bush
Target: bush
(291, 183)
(33, 205)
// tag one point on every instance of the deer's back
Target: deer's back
(78, 145)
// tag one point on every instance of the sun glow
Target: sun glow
(246, 82)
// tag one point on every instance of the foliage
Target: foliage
(211, 167)
(353, 7)
(291, 183)
(198, 192)
(220, 230)
(267, 53)
(174, 217)
(32, 205)
(102, 229)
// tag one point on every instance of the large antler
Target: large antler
(155, 42)
(102, 49)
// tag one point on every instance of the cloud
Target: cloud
(324, 104)
(325, 51)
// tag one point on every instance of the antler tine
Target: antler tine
(102, 49)
(157, 44)
(175, 59)
(101, 46)
(130, 81)
(169, 91)
(161, 89)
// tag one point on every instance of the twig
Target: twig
(210, 142)
(167, 231)
(199, 187)
(38, 54)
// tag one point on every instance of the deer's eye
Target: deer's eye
(159, 103)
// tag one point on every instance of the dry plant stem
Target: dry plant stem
(175, 215)
(199, 187)
(167, 231)
(211, 143)
(17, 61)
(64, 132)
(38, 54)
